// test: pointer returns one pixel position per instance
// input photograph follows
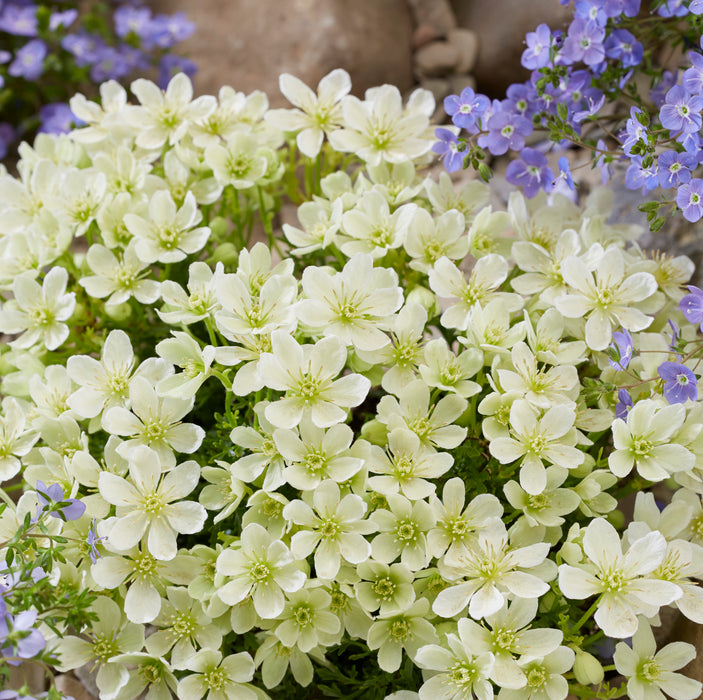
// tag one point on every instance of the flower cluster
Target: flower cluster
(389, 438)
(49, 49)
(578, 74)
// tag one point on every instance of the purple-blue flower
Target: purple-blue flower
(689, 199)
(696, 7)
(621, 349)
(634, 132)
(466, 109)
(109, 64)
(600, 162)
(639, 177)
(167, 30)
(539, 43)
(54, 494)
(622, 46)
(584, 42)
(448, 148)
(19, 638)
(591, 11)
(693, 76)
(681, 111)
(674, 335)
(56, 118)
(83, 47)
(62, 19)
(7, 136)
(29, 60)
(92, 541)
(672, 8)
(692, 305)
(520, 99)
(530, 172)
(170, 65)
(19, 20)
(131, 20)
(658, 93)
(680, 384)
(624, 404)
(564, 174)
(506, 131)
(675, 168)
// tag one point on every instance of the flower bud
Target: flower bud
(587, 669)
(375, 432)
(118, 312)
(219, 228)
(426, 299)
(616, 519)
(225, 253)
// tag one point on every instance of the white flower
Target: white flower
(406, 465)
(355, 304)
(432, 424)
(16, 439)
(155, 421)
(394, 632)
(456, 525)
(445, 370)
(241, 163)
(606, 299)
(316, 115)
(200, 301)
(470, 199)
(334, 530)
(386, 587)
(306, 373)
(402, 529)
(623, 582)
(146, 504)
(217, 678)
(495, 569)
(542, 387)
(447, 281)
(119, 278)
(262, 567)
(461, 675)
(550, 438)
(371, 228)
(320, 221)
(318, 454)
(168, 234)
(544, 676)
(510, 635)
(165, 116)
(185, 352)
(37, 311)
(650, 673)
(306, 620)
(379, 129)
(430, 239)
(645, 442)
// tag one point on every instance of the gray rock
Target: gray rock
(502, 25)
(458, 82)
(424, 34)
(439, 87)
(248, 43)
(436, 13)
(466, 43)
(436, 59)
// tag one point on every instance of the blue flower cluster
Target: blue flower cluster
(50, 49)
(574, 73)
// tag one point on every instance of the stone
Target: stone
(502, 25)
(248, 43)
(439, 87)
(436, 13)
(685, 630)
(424, 34)
(465, 41)
(436, 59)
(72, 687)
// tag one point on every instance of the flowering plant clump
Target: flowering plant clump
(598, 85)
(375, 452)
(50, 50)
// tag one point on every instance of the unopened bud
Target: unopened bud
(118, 312)
(426, 299)
(587, 669)
(225, 253)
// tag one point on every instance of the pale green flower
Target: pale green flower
(651, 673)
(395, 632)
(240, 163)
(334, 530)
(185, 352)
(146, 504)
(217, 678)
(261, 567)
(38, 312)
(544, 676)
(306, 622)
(429, 239)
(316, 114)
(384, 588)
(449, 372)
(199, 303)
(443, 195)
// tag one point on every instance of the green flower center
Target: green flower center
(462, 675)
(613, 581)
(153, 503)
(384, 588)
(183, 625)
(400, 630)
(406, 530)
(648, 670)
(215, 678)
(315, 461)
(537, 676)
(329, 529)
(404, 466)
(503, 640)
(104, 648)
(150, 672)
(144, 565)
(303, 615)
(641, 446)
(260, 572)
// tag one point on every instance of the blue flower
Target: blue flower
(675, 168)
(622, 46)
(621, 349)
(448, 148)
(692, 306)
(539, 43)
(584, 42)
(54, 494)
(564, 174)
(680, 384)
(689, 199)
(466, 109)
(29, 60)
(17, 20)
(531, 172)
(681, 111)
(623, 405)
(506, 131)
(637, 176)
(92, 541)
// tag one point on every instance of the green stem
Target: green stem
(585, 617)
